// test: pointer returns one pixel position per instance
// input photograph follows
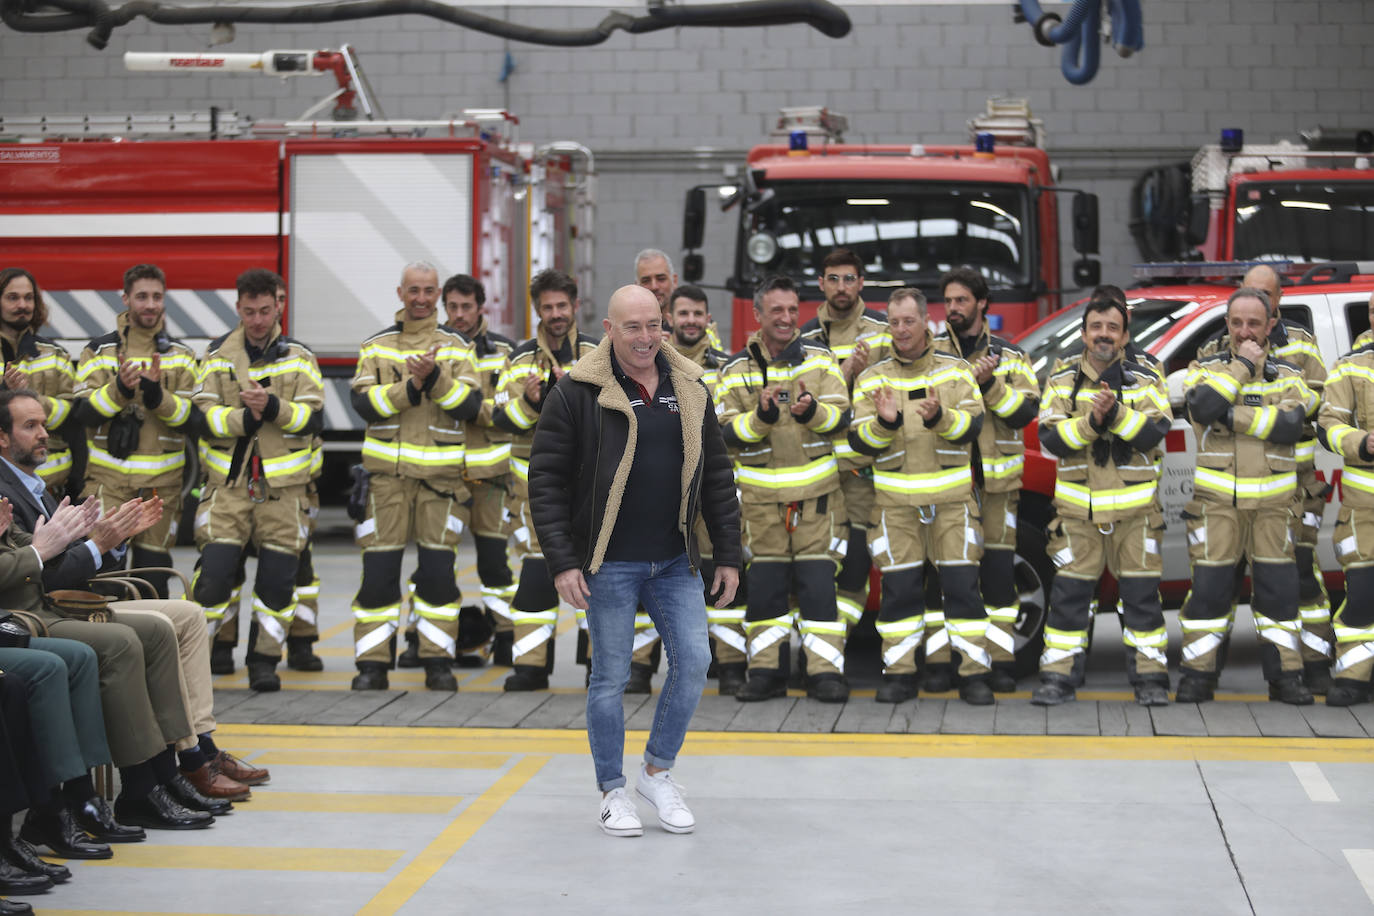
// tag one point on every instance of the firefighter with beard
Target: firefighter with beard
(1104, 420)
(1011, 399)
(1248, 409)
(40, 365)
(915, 416)
(531, 370)
(783, 402)
(859, 338)
(1347, 428)
(133, 391)
(262, 402)
(415, 386)
(691, 316)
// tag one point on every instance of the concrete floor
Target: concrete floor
(379, 805)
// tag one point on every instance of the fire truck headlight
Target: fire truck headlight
(761, 248)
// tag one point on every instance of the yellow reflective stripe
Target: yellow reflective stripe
(138, 464)
(102, 399)
(1337, 433)
(1114, 500)
(900, 629)
(1001, 470)
(489, 456)
(927, 484)
(284, 615)
(57, 411)
(1222, 383)
(1263, 422)
(428, 455)
(960, 421)
(377, 397)
(288, 464)
(57, 463)
(873, 433)
(181, 410)
(217, 418)
(457, 393)
(316, 461)
(520, 467)
(1351, 370)
(94, 365)
(1305, 451)
(784, 620)
(376, 614)
(1244, 487)
(1128, 423)
(1070, 430)
(1066, 640)
(833, 627)
(830, 417)
(744, 429)
(1147, 639)
(519, 414)
(215, 459)
(1353, 634)
(300, 415)
(780, 478)
(1009, 403)
(1358, 479)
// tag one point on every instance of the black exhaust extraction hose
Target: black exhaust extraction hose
(102, 20)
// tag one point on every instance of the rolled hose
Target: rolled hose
(102, 20)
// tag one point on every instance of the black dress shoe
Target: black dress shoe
(158, 811)
(96, 818)
(60, 833)
(14, 908)
(23, 856)
(17, 882)
(191, 798)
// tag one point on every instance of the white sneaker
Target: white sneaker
(665, 795)
(618, 815)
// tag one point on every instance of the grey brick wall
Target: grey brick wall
(905, 73)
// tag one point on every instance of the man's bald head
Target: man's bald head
(634, 324)
(1264, 277)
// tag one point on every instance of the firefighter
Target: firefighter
(532, 369)
(1104, 419)
(1070, 354)
(916, 414)
(415, 386)
(1346, 427)
(691, 315)
(654, 271)
(1011, 399)
(1247, 408)
(40, 365)
(859, 338)
(261, 399)
(133, 391)
(784, 400)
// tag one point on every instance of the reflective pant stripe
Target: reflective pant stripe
(373, 639)
(1282, 633)
(377, 614)
(1352, 655)
(960, 634)
(434, 611)
(1001, 638)
(1201, 646)
(849, 609)
(429, 630)
(815, 644)
(532, 640)
(730, 636)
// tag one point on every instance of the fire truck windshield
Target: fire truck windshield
(1304, 221)
(906, 234)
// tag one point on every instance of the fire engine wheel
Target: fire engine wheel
(1034, 573)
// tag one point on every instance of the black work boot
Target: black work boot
(501, 645)
(370, 676)
(1002, 678)
(1152, 693)
(1289, 688)
(300, 656)
(527, 677)
(938, 677)
(730, 678)
(763, 684)
(1054, 691)
(897, 688)
(262, 674)
(221, 658)
(410, 658)
(641, 678)
(975, 691)
(828, 688)
(439, 674)
(1347, 692)
(1195, 688)
(1317, 676)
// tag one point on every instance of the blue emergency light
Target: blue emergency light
(1232, 139)
(796, 141)
(984, 142)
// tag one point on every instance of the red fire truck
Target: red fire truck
(337, 207)
(911, 212)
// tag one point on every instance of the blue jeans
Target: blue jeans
(671, 592)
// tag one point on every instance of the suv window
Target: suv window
(1357, 317)
(1297, 314)
(1187, 350)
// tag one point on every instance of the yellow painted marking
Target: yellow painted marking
(487, 678)
(424, 866)
(384, 758)
(746, 744)
(350, 802)
(344, 627)
(249, 858)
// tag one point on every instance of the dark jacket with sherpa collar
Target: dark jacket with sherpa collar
(580, 462)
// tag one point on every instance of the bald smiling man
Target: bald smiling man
(626, 453)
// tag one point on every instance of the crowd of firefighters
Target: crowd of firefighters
(861, 438)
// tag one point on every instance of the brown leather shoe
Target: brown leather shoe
(239, 771)
(213, 784)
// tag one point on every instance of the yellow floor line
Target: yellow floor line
(434, 759)
(266, 799)
(252, 858)
(335, 630)
(253, 738)
(487, 678)
(424, 866)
